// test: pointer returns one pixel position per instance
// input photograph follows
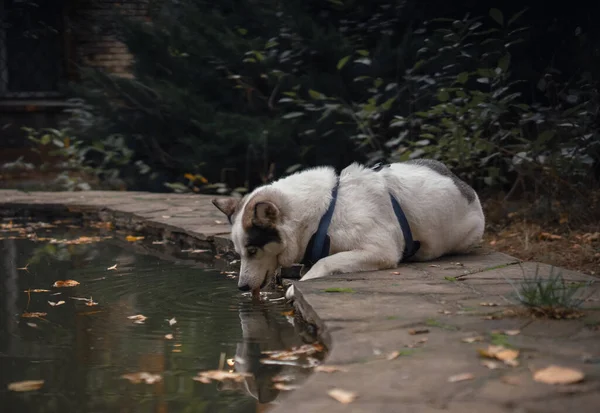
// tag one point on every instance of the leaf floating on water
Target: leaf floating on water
(418, 331)
(142, 376)
(460, 377)
(66, 283)
(53, 304)
(27, 385)
(284, 387)
(172, 321)
(131, 238)
(138, 318)
(114, 267)
(169, 336)
(558, 375)
(36, 290)
(295, 352)
(330, 369)
(33, 315)
(342, 396)
(220, 375)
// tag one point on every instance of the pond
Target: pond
(136, 331)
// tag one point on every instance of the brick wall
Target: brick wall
(94, 41)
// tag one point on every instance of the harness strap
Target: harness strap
(318, 246)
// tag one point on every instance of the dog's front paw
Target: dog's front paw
(289, 294)
(314, 273)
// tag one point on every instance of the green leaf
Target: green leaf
(338, 290)
(343, 62)
(504, 62)
(462, 77)
(517, 15)
(497, 16)
(545, 136)
(46, 139)
(315, 95)
(388, 103)
(443, 95)
(242, 31)
(363, 52)
(293, 115)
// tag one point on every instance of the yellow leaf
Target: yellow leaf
(558, 375)
(132, 238)
(66, 283)
(27, 385)
(342, 396)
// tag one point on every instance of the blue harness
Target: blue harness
(318, 246)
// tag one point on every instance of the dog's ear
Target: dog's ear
(266, 214)
(226, 205)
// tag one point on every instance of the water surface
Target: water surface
(81, 349)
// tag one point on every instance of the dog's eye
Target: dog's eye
(251, 251)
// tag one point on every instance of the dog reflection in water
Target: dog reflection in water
(263, 329)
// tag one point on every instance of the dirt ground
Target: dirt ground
(558, 240)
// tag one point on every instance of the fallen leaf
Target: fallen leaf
(512, 380)
(284, 387)
(172, 321)
(434, 265)
(142, 376)
(33, 315)
(36, 290)
(508, 356)
(460, 377)
(66, 283)
(114, 267)
(492, 365)
(169, 336)
(220, 375)
(396, 272)
(138, 318)
(27, 385)
(417, 343)
(53, 304)
(558, 375)
(393, 355)
(472, 339)
(418, 331)
(176, 350)
(132, 238)
(288, 313)
(546, 236)
(493, 242)
(512, 332)
(342, 396)
(330, 369)
(294, 352)
(488, 304)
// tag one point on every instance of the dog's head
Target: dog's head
(256, 237)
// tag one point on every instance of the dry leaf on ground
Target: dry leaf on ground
(472, 339)
(418, 331)
(138, 318)
(132, 238)
(330, 369)
(393, 355)
(53, 304)
(460, 377)
(142, 376)
(546, 236)
(558, 375)
(512, 332)
(114, 267)
(172, 321)
(488, 304)
(396, 272)
(33, 315)
(66, 283)
(342, 396)
(27, 385)
(508, 356)
(492, 365)
(219, 375)
(284, 387)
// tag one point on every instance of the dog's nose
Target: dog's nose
(244, 287)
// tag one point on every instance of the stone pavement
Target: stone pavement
(367, 318)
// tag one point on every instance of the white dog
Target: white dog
(363, 220)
